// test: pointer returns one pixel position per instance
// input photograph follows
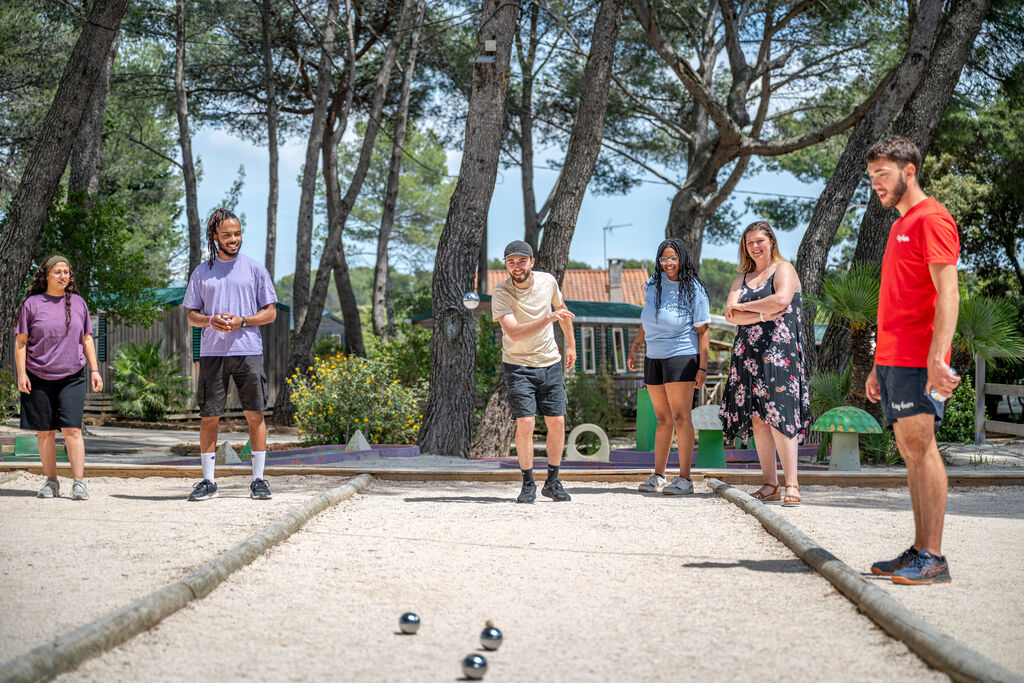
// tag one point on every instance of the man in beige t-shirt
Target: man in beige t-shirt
(525, 305)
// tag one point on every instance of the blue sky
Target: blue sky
(645, 207)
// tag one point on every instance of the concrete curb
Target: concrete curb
(66, 652)
(935, 647)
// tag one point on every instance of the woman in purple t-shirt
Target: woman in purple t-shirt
(52, 344)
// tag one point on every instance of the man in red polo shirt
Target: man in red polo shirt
(917, 311)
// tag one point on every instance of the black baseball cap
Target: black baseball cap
(518, 248)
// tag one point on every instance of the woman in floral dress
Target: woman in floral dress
(766, 393)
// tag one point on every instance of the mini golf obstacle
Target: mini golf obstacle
(312, 455)
(846, 424)
(26, 449)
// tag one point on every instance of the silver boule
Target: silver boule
(474, 666)
(490, 638)
(471, 300)
(409, 623)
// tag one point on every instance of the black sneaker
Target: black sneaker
(203, 490)
(528, 494)
(890, 567)
(554, 491)
(259, 490)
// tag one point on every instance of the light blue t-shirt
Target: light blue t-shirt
(240, 286)
(674, 333)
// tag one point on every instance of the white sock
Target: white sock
(208, 460)
(259, 458)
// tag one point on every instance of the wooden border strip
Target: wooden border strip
(870, 479)
(930, 643)
(66, 652)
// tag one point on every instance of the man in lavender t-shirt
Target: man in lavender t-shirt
(230, 296)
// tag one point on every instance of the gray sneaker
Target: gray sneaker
(678, 487)
(78, 491)
(51, 489)
(653, 484)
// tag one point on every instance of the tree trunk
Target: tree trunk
(381, 277)
(862, 347)
(918, 121)
(84, 174)
(195, 229)
(268, 87)
(448, 418)
(525, 111)
(835, 347)
(496, 428)
(49, 156)
(314, 145)
(812, 256)
(482, 264)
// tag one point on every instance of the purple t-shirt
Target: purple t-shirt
(54, 349)
(240, 286)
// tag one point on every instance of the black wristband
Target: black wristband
(702, 369)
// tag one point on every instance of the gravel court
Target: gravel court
(983, 539)
(612, 586)
(64, 563)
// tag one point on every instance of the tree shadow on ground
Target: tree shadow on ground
(175, 496)
(460, 499)
(793, 566)
(962, 504)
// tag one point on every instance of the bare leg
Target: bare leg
(75, 445)
(915, 437)
(524, 442)
(680, 401)
(556, 439)
(765, 452)
(257, 430)
(787, 449)
(208, 434)
(665, 429)
(48, 453)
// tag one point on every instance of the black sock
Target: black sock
(552, 472)
(527, 476)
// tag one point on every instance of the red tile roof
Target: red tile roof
(589, 285)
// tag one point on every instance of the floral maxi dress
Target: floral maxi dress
(766, 377)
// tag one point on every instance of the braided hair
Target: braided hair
(38, 286)
(216, 218)
(688, 278)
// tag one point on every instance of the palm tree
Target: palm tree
(852, 295)
(986, 327)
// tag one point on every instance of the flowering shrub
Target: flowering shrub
(344, 393)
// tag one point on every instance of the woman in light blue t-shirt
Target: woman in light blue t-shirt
(675, 327)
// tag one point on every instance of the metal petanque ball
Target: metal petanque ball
(409, 623)
(490, 637)
(471, 300)
(474, 666)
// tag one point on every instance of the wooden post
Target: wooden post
(979, 400)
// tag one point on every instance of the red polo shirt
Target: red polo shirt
(906, 303)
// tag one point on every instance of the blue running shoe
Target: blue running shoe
(888, 567)
(925, 569)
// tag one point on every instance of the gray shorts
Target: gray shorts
(903, 394)
(530, 389)
(214, 374)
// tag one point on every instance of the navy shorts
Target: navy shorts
(214, 374)
(667, 370)
(903, 394)
(530, 389)
(54, 403)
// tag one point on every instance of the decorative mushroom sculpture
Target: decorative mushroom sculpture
(710, 450)
(846, 423)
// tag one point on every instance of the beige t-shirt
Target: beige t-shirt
(527, 305)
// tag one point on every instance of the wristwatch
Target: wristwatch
(244, 323)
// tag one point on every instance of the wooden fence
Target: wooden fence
(983, 388)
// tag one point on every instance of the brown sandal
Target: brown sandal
(791, 501)
(773, 493)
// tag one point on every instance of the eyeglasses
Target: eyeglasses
(664, 260)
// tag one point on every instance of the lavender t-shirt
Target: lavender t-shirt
(240, 286)
(54, 349)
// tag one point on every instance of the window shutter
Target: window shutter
(197, 338)
(609, 350)
(101, 339)
(579, 348)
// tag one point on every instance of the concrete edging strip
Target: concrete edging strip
(930, 643)
(66, 652)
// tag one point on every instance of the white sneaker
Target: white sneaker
(678, 487)
(51, 489)
(78, 491)
(654, 484)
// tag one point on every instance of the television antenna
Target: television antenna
(607, 229)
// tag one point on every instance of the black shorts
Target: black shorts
(667, 370)
(250, 380)
(903, 394)
(54, 403)
(533, 388)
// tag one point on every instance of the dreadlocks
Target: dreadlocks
(687, 274)
(216, 218)
(38, 286)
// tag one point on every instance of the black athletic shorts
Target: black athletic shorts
(54, 403)
(250, 380)
(668, 370)
(533, 388)
(903, 394)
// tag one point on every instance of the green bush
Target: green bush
(147, 386)
(8, 393)
(958, 420)
(594, 399)
(344, 393)
(828, 390)
(326, 346)
(408, 354)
